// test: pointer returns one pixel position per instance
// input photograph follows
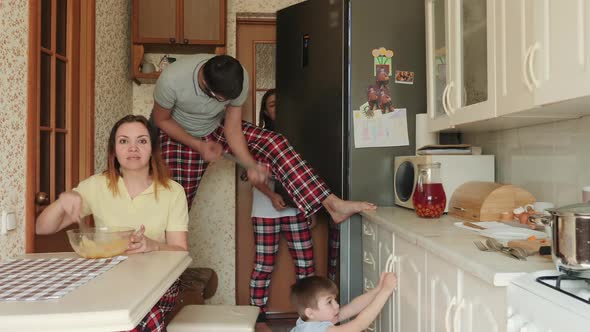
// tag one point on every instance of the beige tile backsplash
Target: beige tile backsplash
(552, 161)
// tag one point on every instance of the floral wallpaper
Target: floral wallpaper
(212, 217)
(14, 26)
(114, 91)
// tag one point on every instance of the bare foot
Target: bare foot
(340, 210)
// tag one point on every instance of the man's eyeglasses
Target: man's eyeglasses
(210, 93)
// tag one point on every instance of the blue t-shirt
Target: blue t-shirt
(302, 326)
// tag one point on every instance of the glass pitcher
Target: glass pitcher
(429, 196)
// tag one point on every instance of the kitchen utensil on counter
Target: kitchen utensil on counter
(485, 201)
(517, 253)
(472, 225)
(569, 229)
(505, 234)
(492, 245)
(100, 242)
(429, 195)
(533, 247)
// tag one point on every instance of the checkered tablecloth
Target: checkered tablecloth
(49, 278)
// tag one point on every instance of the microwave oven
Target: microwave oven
(454, 171)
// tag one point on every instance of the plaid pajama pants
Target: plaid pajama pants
(266, 238)
(155, 320)
(267, 147)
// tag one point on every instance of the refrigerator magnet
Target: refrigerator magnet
(382, 60)
(404, 77)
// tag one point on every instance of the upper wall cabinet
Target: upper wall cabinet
(510, 62)
(189, 22)
(461, 63)
(543, 53)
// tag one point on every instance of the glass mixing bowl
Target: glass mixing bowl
(100, 242)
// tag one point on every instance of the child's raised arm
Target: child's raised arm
(368, 305)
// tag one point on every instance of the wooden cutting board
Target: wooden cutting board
(531, 245)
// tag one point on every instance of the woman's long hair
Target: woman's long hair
(264, 119)
(158, 169)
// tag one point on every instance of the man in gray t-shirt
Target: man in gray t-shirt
(198, 109)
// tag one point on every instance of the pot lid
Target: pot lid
(580, 209)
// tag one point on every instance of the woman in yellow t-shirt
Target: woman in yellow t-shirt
(135, 191)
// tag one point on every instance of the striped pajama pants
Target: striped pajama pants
(267, 147)
(267, 233)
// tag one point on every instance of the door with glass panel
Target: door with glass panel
(55, 112)
(438, 58)
(460, 61)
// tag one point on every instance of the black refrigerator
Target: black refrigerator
(324, 64)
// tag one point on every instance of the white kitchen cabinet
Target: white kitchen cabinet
(410, 267)
(482, 308)
(443, 294)
(543, 52)
(432, 295)
(460, 62)
(561, 50)
(514, 43)
(387, 264)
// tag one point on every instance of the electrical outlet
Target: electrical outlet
(8, 221)
(11, 221)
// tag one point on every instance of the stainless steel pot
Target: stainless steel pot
(569, 229)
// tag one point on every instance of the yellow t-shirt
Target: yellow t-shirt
(168, 213)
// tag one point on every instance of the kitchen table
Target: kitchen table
(113, 301)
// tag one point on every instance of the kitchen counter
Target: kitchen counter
(455, 245)
(113, 301)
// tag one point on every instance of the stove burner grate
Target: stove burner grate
(557, 286)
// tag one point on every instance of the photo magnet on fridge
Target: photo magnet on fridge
(404, 77)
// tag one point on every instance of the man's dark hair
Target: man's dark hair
(224, 76)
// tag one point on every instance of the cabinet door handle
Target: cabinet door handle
(451, 110)
(172, 40)
(457, 315)
(525, 65)
(389, 263)
(534, 50)
(444, 100)
(448, 314)
(185, 41)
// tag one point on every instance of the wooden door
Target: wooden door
(59, 135)
(203, 22)
(154, 21)
(255, 50)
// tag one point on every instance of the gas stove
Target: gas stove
(546, 301)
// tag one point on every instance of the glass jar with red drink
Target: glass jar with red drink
(429, 196)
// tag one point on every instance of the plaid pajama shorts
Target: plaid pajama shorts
(267, 147)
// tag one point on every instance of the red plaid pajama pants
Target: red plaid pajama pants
(266, 238)
(267, 147)
(155, 320)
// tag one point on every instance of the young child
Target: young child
(315, 300)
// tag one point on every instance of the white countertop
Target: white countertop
(455, 245)
(114, 301)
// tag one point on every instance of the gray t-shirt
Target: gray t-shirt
(302, 326)
(178, 90)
